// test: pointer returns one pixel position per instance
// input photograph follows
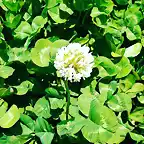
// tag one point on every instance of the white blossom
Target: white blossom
(74, 62)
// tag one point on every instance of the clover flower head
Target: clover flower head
(74, 62)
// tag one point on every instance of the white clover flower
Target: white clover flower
(74, 62)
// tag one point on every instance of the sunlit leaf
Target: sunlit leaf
(137, 115)
(23, 30)
(40, 54)
(42, 108)
(10, 117)
(136, 137)
(124, 67)
(137, 87)
(120, 102)
(103, 116)
(23, 88)
(107, 64)
(6, 71)
(55, 15)
(38, 23)
(133, 50)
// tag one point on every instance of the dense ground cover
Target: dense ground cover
(107, 107)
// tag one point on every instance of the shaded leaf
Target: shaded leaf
(27, 120)
(42, 125)
(4, 92)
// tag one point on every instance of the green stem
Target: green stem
(72, 37)
(27, 43)
(68, 99)
(92, 90)
(85, 15)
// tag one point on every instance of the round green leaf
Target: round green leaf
(56, 103)
(70, 127)
(38, 22)
(27, 120)
(18, 54)
(103, 116)
(10, 117)
(23, 88)
(119, 135)
(45, 137)
(64, 8)
(42, 108)
(107, 64)
(42, 125)
(120, 102)
(40, 54)
(55, 15)
(12, 5)
(91, 131)
(51, 3)
(55, 46)
(136, 137)
(124, 67)
(23, 30)
(95, 133)
(6, 71)
(52, 92)
(84, 101)
(133, 50)
(137, 87)
(127, 83)
(137, 115)
(133, 33)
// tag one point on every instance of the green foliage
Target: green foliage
(42, 108)
(9, 118)
(5, 71)
(107, 107)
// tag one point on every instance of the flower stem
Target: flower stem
(68, 99)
